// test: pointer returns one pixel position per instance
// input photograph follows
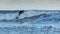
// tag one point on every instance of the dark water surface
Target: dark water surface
(45, 22)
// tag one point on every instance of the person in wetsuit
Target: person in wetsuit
(20, 12)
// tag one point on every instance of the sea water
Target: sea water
(30, 22)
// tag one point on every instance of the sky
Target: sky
(29, 4)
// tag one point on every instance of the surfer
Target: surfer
(20, 12)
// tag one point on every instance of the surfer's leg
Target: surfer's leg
(17, 17)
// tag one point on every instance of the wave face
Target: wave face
(9, 15)
(30, 22)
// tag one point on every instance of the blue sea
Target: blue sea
(30, 22)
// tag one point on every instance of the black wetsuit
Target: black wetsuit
(20, 12)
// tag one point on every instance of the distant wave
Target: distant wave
(7, 15)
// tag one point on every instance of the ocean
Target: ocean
(30, 22)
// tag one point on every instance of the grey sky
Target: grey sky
(30, 5)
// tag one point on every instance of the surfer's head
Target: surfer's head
(21, 11)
